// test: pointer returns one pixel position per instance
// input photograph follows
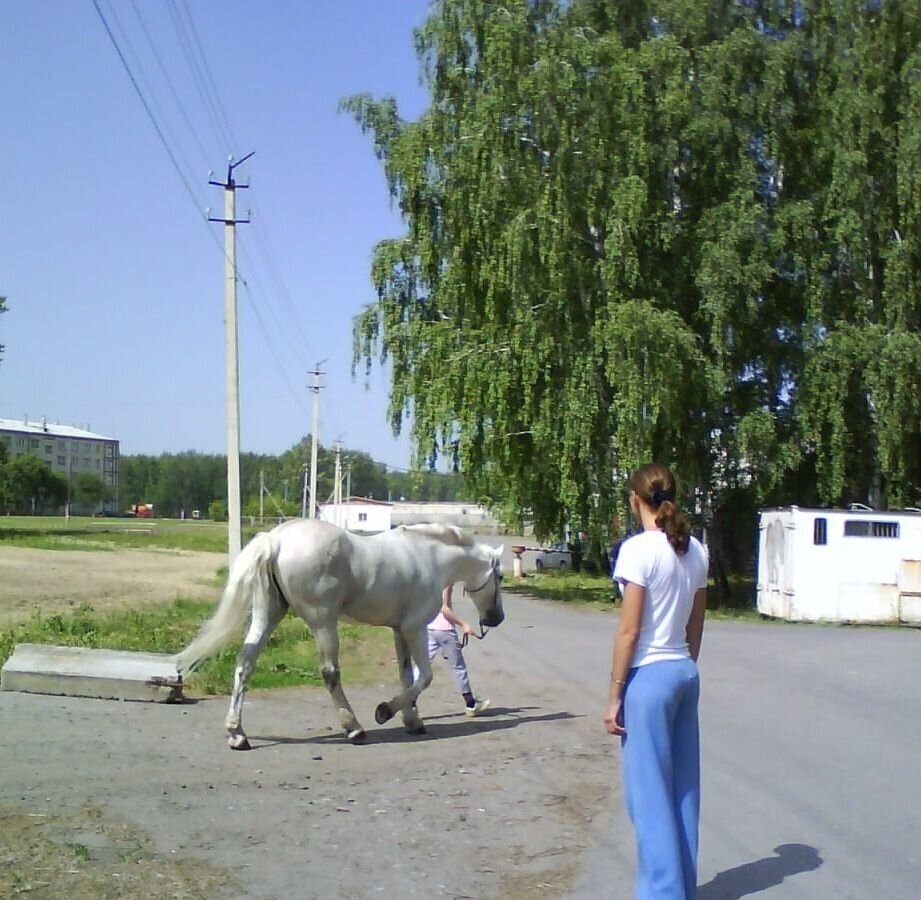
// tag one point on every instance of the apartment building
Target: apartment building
(65, 448)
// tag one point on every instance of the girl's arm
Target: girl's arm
(628, 632)
(695, 629)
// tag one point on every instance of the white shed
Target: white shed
(359, 514)
(840, 565)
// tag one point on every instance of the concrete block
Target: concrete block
(82, 672)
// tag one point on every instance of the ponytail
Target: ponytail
(674, 523)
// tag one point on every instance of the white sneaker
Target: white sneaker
(477, 709)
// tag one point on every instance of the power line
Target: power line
(215, 111)
(205, 155)
(197, 75)
(209, 78)
(149, 111)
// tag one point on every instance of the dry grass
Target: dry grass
(89, 857)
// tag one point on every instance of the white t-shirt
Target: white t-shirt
(671, 580)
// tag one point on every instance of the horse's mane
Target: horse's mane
(447, 534)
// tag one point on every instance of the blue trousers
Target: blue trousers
(661, 772)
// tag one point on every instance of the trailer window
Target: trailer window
(869, 528)
(820, 531)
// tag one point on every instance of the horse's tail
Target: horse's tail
(249, 574)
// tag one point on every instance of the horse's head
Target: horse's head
(487, 593)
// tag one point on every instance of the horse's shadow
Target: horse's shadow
(750, 878)
(497, 719)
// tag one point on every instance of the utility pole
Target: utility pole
(261, 495)
(337, 489)
(316, 387)
(306, 489)
(232, 384)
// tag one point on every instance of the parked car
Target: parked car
(556, 556)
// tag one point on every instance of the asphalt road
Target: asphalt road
(811, 753)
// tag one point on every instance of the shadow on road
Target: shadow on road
(750, 878)
(498, 719)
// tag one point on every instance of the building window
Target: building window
(820, 531)
(49, 449)
(869, 528)
(33, 444)
(362, 517)
(61, 461)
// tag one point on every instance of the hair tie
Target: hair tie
(660, 496)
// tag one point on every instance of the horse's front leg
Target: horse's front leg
(415, 642)
(326, 638)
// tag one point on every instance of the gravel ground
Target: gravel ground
(154, 804)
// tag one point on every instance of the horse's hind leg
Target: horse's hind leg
(326, 638)
(416, 642)
(411, 718)
(269, 609)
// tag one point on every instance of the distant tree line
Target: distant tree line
(175, 484)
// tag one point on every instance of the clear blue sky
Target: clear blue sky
(114, 285)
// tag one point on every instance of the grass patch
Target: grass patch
(565, 586)
(288, 660)
(584, 589)
(84, 533)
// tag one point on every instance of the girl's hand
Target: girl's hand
(467, 629)
(614, 718)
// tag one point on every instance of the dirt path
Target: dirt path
(56, 580)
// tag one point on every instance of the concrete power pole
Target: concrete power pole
(232, 382)
(316, 387)
(337, 489)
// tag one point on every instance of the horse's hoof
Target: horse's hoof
(357, 736)
(383, 713)
(238, 742)
(417, 729)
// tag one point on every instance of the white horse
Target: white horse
(324, 573)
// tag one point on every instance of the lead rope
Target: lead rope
(466, 638)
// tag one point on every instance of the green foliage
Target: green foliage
(28, 485)
(670, 230)
(89, 489)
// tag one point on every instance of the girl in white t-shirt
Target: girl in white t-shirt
(655, 686)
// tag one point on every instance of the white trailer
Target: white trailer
(840, 565)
